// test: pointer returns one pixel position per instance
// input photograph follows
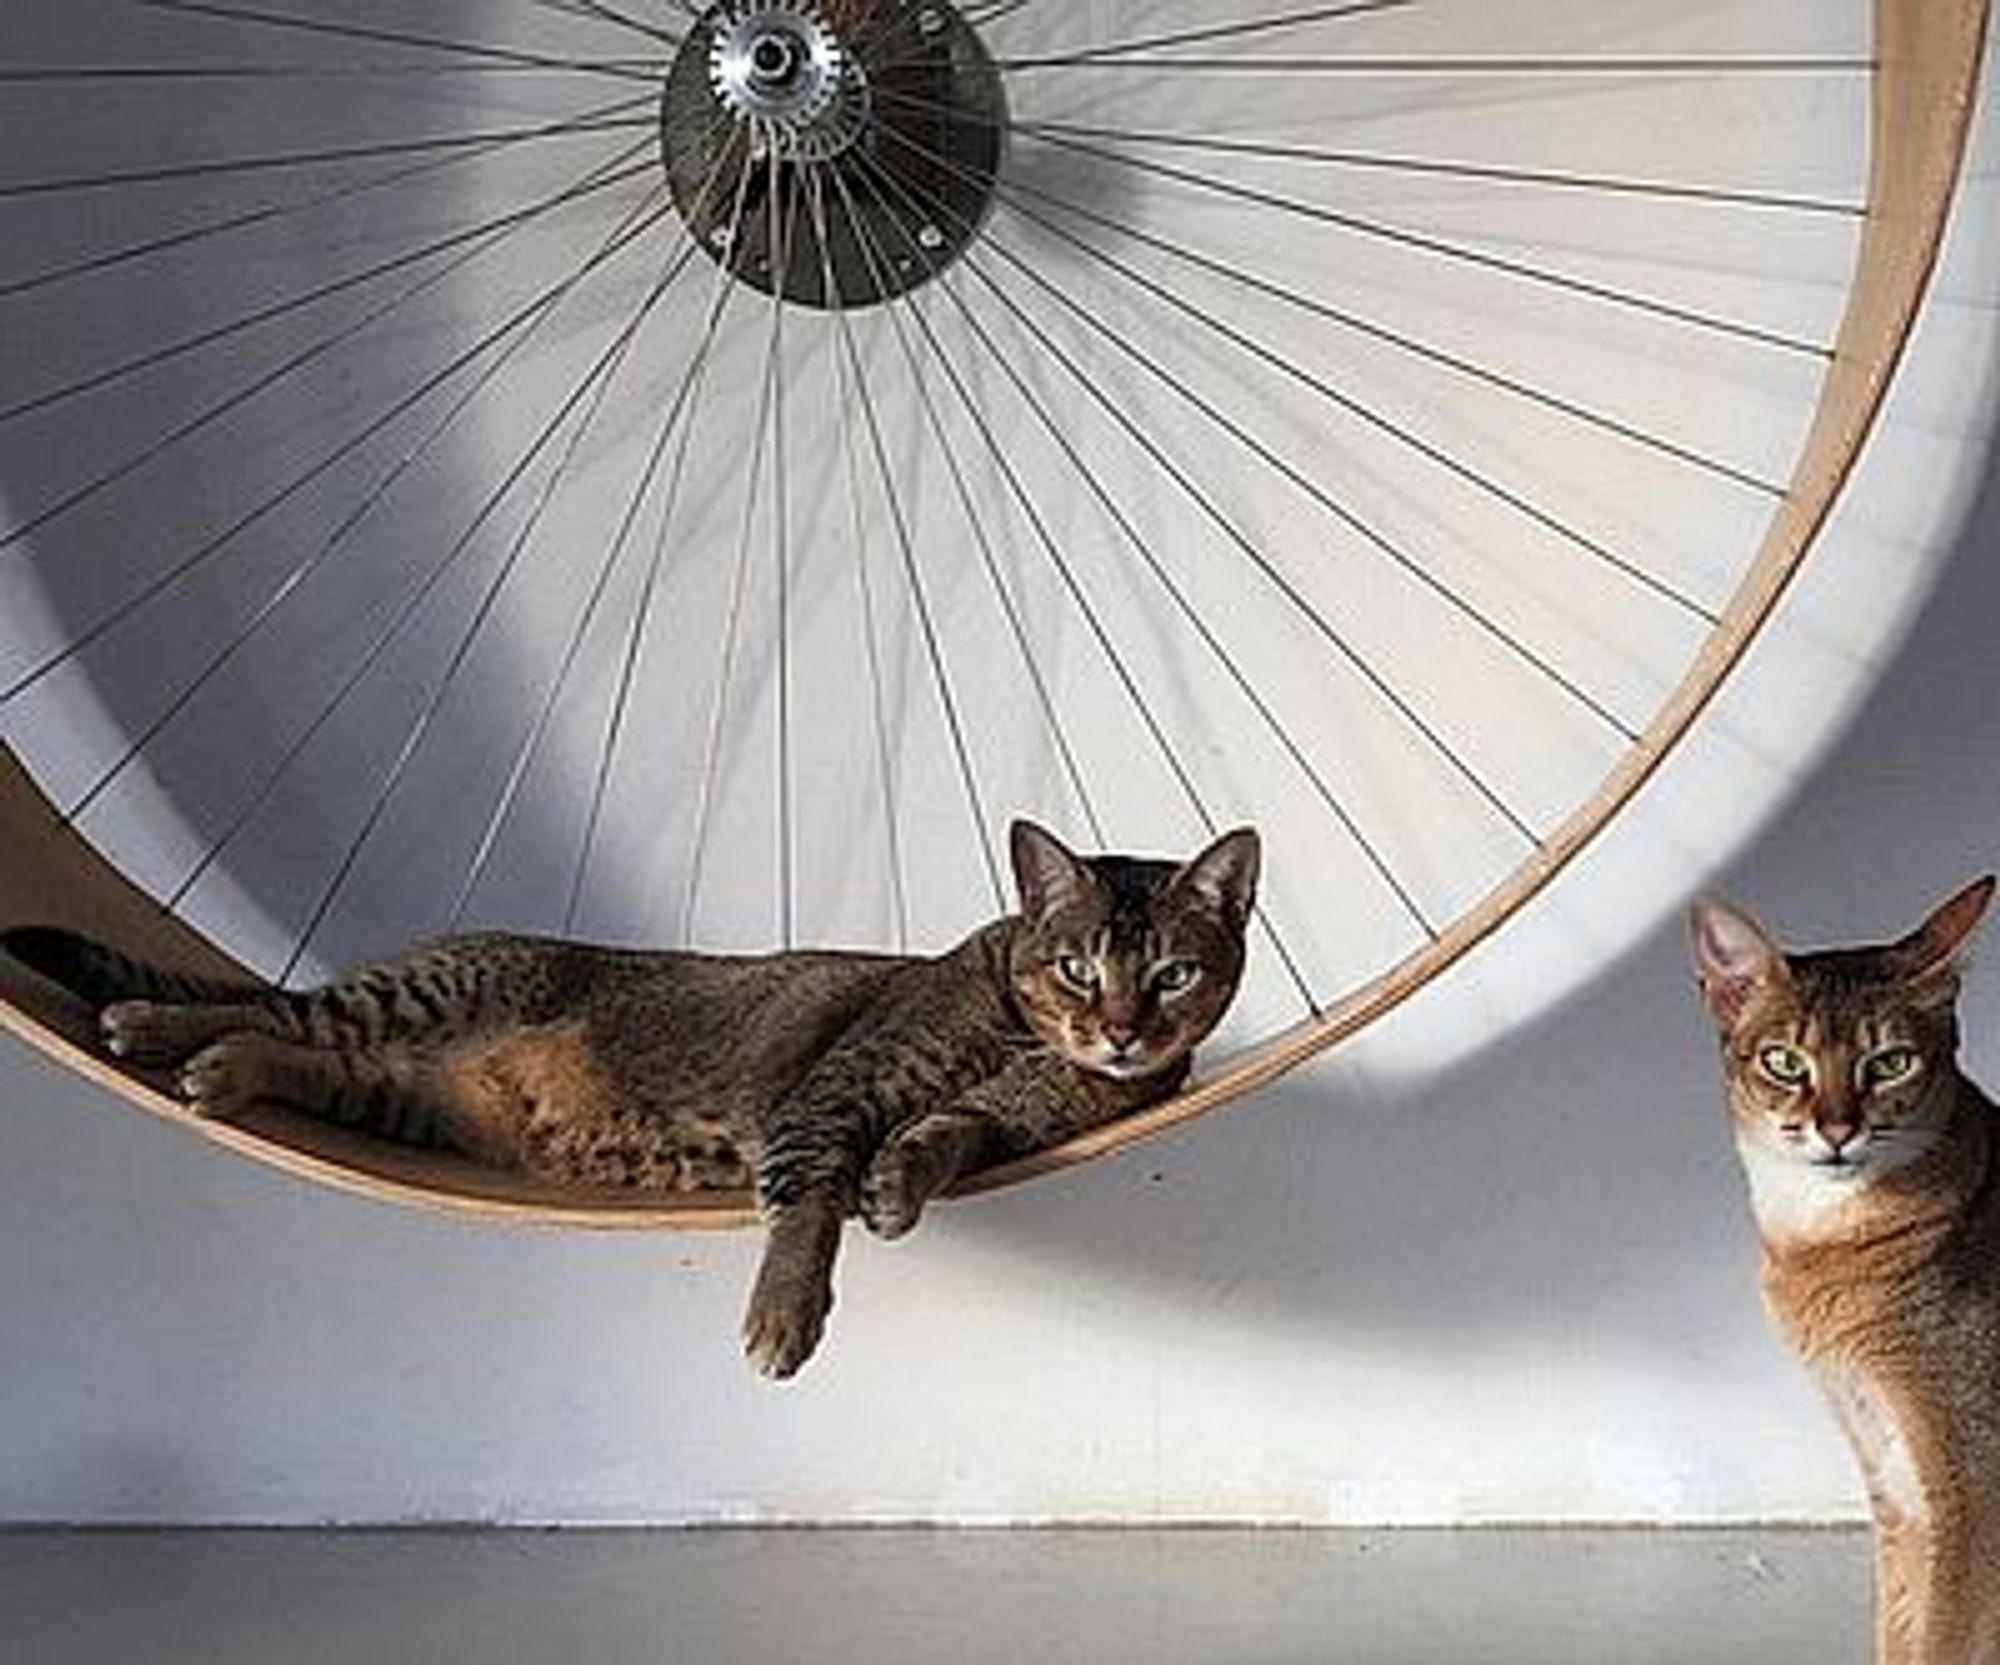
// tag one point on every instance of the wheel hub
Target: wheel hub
(835, 152)
(782, 74)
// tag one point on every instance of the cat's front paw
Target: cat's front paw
(224, 1080)
(783, 1326)
(892, 1198)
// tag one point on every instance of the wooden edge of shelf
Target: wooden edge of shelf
(50, 875)
(349, 1162)
(1928, 59)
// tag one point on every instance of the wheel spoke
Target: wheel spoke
(480, 51)
(1273, 358)
(17, 538)
(641, 219)
(585, 404)
(941, 678)
(821, 429)
(614, 117)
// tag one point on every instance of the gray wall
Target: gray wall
(1492, 1263)
(1519, 1286)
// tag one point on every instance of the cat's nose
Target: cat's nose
(1122, 1036)
(1839, 1135)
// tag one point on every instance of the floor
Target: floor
(889, 1596)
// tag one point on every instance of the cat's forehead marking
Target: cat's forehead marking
(1130, 881)
(1843, 978)
(1126, 899)
(1847, 989)
(1121, 940)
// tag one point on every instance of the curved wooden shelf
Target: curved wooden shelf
(1928, 54)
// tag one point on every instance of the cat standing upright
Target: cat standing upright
(838, 1082)
(1874, 1169)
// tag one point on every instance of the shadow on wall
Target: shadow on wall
(384, 804)
(1580, 1160)
(203, 365)
(274, 542)
(1337, 1169)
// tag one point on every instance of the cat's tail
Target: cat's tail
(99, 974)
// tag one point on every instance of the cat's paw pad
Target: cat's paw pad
(142, 1032)
(891, 1200)
(222, 1081)
(782, 1328)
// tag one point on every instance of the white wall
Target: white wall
(1413, 1283)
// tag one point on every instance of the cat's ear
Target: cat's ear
(1224, 876)
(1732, 958)
(1046, 874)
(1936, 949)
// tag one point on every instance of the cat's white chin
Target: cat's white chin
(1123, 1069)
(1796, 1195)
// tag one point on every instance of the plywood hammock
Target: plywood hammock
(851, 304)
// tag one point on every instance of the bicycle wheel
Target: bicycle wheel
(690, 474)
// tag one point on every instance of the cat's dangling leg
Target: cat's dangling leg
(794, 1290)
(811, 1151)
(395, 1094)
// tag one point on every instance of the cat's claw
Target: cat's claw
(222, 1081)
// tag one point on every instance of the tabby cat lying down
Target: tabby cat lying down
(834, 1082)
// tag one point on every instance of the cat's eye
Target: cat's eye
(1786, 1065)
(1175, 976)
(1078, 972)
(1890, 1065)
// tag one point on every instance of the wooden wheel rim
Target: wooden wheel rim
(1927, 58)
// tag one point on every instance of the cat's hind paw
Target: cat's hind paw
(223, 1080)
(144, 1032)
